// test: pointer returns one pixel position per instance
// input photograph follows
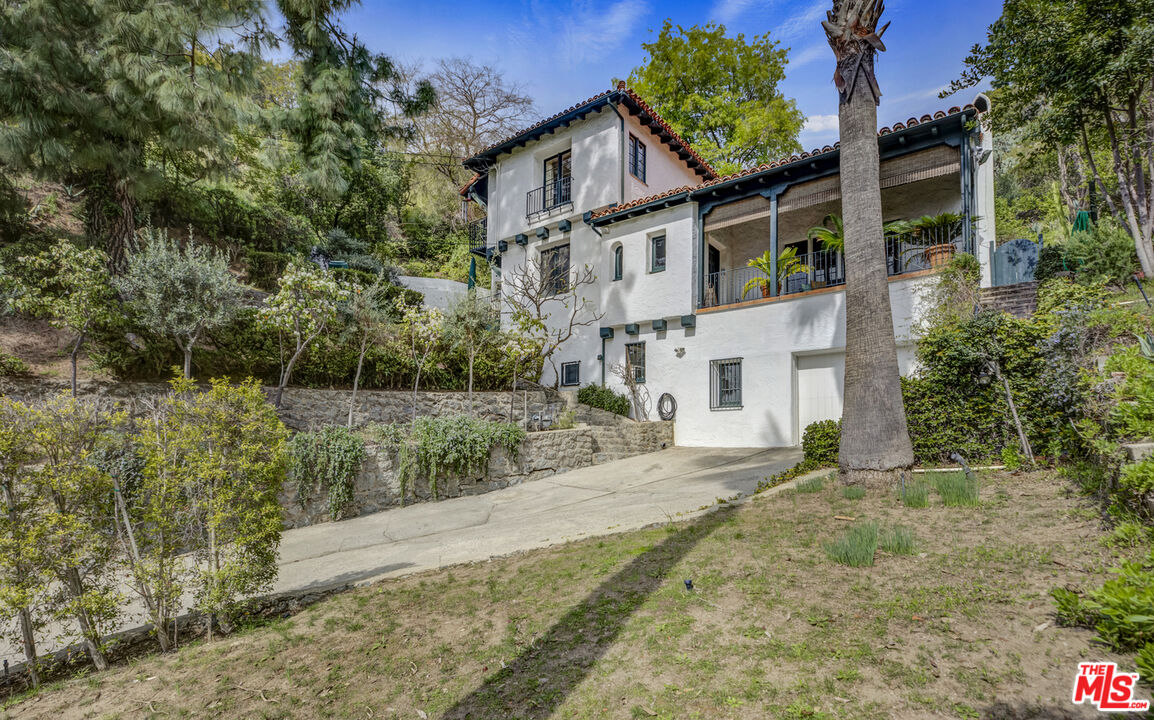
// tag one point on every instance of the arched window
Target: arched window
(618, 262)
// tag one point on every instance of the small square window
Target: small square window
(725, 384)
(571, 373)
(657, 253)
(635, 361)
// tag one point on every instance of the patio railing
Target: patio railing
(905, 253)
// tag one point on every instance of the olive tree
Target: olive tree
(179, 291)
(422, 330)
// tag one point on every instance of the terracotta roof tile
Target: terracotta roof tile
(465, 188)
(912, 122)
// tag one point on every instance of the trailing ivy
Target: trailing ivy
(435, 447)
(328, 459)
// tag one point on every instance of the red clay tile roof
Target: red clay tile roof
(644, 106)
(465, 188)
(912, 122)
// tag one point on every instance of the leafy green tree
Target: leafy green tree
(1078, 73)
(78, 546)
(90, 90)
(233, 451)
(179, 292)
(472, 326)
(875, 441)
(73, 288)
(23, 585)
(721, 93)
(302, 308)
(369, 313)
(423, 331)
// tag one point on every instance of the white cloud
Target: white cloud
(591, 31)
(818, 124)
(806, 55)
(805, 21)
(726, 11)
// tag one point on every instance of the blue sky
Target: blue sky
(565, 51)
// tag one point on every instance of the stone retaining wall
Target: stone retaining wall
(542, 454)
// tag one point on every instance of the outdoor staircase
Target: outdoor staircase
(1019, 299)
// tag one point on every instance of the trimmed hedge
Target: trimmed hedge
(604, 398)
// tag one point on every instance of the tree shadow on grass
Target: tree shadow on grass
(545, 673)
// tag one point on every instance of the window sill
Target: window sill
(724, 408)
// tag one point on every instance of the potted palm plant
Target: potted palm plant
(935, 234)
(788, 263)
(832, 237)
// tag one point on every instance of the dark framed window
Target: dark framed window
(571, 373)
(657, 253)
(555, 267)
(636, 158)
(635, 361)
(618, 262)
(725, 384)
(558, 181)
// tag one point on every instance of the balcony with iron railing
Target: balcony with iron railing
(554, 195)
(906, 252)
(478, 234)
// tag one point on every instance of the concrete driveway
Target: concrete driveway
(672, 484)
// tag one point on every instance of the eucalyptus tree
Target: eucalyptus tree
(875, 441)
(179, 291)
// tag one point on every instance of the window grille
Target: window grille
(725, 384)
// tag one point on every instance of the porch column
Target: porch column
(773, 244)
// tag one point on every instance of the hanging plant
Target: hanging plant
(329, 460)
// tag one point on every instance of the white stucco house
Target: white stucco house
(608, 184)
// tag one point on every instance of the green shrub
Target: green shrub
(328, 459)
(12, 366)
(812, 485)
(915, 495)
(898, 540)
(958, 489)
(1103, 254)
(1137, 479)
(1050, 263)
(856, 546)
(1145, 662)
(263, 269)
(820, 442)
(603, 398)
(853, 492)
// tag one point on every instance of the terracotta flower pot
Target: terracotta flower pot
(939, 255)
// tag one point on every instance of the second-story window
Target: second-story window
(636, 158)
(618, 262)
(557, 179)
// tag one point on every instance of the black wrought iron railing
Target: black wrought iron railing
(549, 196)
(478, 235)
(906, 252)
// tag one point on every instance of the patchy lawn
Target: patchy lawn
(963, 627)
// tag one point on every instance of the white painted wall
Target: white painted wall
(984, 202)
(663, 169)
(641, 296)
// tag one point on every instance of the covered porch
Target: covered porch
(773, 231)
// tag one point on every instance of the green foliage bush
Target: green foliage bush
(1121, 611)
(12, 366)
(1104, 254)
(330, 460)
(604, 398)
(820, 442)
(1049, 263)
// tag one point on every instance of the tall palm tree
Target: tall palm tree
(875, 444)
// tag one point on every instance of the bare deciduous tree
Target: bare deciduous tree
(548, 306)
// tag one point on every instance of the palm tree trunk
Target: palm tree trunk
(875, 443)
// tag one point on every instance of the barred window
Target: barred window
(725, 384)
(635, 360)
(571, 373)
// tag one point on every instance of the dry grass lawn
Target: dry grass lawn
(606, 628)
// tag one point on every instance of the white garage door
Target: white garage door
(819, 388)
